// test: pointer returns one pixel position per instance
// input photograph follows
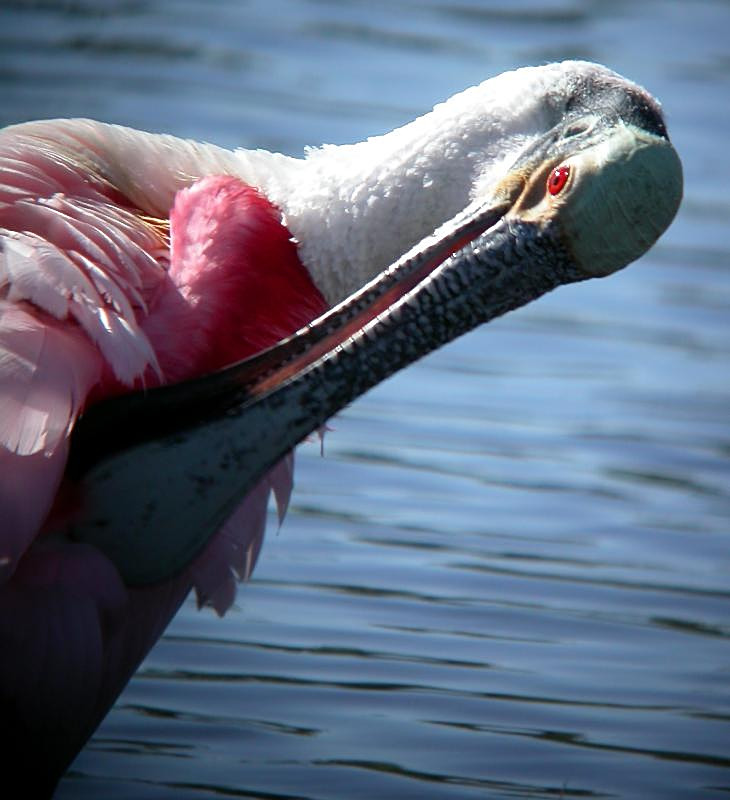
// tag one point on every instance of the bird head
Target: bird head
(355, 209)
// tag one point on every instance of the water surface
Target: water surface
(508, 576)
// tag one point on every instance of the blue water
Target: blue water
(509, 576)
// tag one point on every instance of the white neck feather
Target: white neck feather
(355, 208)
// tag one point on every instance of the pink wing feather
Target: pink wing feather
(46, 372)
(89, 304)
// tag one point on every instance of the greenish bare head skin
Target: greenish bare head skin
(621, 195)
(622, 192)
(624, 178)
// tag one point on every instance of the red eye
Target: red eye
(557, 180)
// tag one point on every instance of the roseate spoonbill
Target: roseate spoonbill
(130, 260)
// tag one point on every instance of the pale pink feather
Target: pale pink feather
(46, 372)
(231, 555)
